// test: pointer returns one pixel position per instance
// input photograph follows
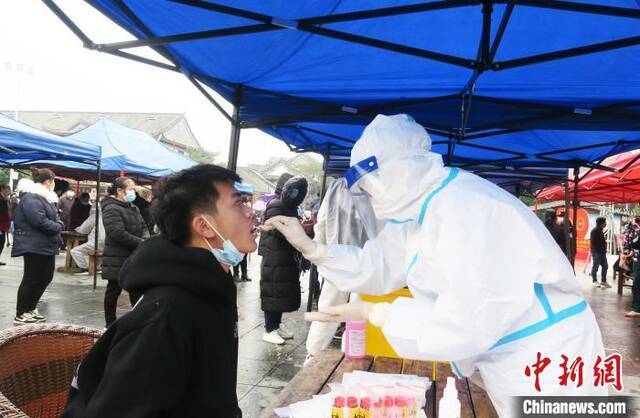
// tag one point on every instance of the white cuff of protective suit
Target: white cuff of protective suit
(316, 253)
(379, 314)
(403, 327)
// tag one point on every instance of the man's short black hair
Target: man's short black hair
(181, 194)
(601, 220)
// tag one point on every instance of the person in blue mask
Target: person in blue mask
(176, 353)
(125, 229)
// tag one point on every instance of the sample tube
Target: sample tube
(410, 408)
(352, 407)
(399, 406)
(365, 408)
(389, 408)
(337, 411)
(378, 409)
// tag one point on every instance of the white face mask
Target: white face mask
(229, 254)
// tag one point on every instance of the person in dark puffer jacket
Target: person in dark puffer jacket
(37, 239)
(280, 267)
(125, 230)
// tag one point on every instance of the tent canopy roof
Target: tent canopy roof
(124, 150)
(619, 186)
(22, 144)
(517, 83)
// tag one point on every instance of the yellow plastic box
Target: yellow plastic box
(376, 343)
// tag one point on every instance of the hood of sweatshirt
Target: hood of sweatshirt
(159, 262)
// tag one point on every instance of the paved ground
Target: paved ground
(264, 369)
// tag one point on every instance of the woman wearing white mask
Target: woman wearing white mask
(37, 239)
(125, 230)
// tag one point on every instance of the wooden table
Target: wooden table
(72, 239)
(329, 366)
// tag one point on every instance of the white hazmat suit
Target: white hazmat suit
(491, 287)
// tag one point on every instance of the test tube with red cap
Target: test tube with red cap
(352, 407)
(389, 407)
(399, 403)
(365, 408)
(378, 408)
(337, 411)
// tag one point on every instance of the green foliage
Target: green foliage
(4, 176)
(312, 171)
(527, 200)
(201, 156)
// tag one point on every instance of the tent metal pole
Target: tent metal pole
(69, 23)
(567, 53)
(234, 142)
(325, 166)
(97, 226)
(567, 230)
(576, 204)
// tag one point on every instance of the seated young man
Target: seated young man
(175, 354)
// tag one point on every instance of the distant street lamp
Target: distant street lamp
(19, 69)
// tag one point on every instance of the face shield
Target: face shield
(361, 183)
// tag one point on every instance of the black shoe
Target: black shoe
(236, 279)
(2, 264)
(245, 279)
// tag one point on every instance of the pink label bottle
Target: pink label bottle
(355, 339)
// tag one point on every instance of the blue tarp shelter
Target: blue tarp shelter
(124, 150)
(516, 90)
(21, 144)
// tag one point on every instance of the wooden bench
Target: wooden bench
(93, 260)
(329, 367)
(72, 239)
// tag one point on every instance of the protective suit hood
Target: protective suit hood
(399, 170)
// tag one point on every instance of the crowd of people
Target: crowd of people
(36, 217)
(175, 254)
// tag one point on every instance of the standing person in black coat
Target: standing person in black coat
(37, 239)
(125, 230)
(175, 354)
(5, 215)
(143, 200)
(598, 245)
(280, 267)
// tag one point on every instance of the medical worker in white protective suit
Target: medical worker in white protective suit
(342, 219)
(491, 287)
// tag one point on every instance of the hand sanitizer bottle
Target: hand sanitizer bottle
(449, 404)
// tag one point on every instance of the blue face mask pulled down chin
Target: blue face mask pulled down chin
(229, 254)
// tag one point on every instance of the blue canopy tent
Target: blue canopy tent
(515, 90)
(518, 85)
(124, 151)
(21, 144)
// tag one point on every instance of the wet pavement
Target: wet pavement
(264, 369)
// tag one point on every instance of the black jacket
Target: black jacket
(145, 211)
(597, 241)
(37, 226)
(124, 228)
(176, 353)
(280, 267)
